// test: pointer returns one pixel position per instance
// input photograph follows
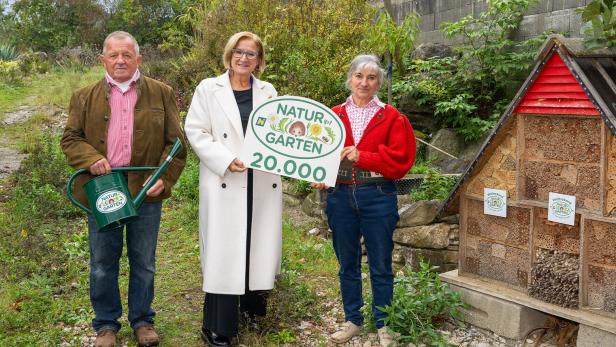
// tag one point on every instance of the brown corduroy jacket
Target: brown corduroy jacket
(156, 126)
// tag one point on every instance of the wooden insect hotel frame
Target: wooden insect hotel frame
(557, 135)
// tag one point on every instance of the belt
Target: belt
(351, 174)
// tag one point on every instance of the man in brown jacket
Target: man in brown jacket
(125, 119)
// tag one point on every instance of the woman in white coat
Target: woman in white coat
(240, 211)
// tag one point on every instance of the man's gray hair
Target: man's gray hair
(120, 35)
(365, 61)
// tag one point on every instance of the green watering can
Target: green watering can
(109, 196)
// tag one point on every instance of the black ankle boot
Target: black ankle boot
(213, 339)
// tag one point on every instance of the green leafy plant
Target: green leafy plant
(600, 23)
(301, 187)
(8, 52)
(434, 186)
(39, 190)
(421, 302)
(470, 90)
(392, 40)
(308, 46)
(10, 72)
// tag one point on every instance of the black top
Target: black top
(244, 103)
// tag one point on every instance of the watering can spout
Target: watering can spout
(109, 196)
(177, 146)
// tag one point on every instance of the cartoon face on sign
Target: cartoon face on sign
(297, 129)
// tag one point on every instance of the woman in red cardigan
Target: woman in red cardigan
(379, 148)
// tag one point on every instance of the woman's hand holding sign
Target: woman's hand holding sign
(237, 166)
(350, 153)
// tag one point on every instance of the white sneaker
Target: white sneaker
(346, 333)
(385, 339)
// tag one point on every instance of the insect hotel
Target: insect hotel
(537, 206)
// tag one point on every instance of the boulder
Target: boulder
(397, 255)
(312, 205)
(419, 213)
(448, 141)
(435, 236)
(290, 200)
(431, 50)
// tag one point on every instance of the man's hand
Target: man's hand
(155, 190)
(237, 166)
(101, 167)
(350, 153)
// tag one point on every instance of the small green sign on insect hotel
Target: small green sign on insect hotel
(295, 137)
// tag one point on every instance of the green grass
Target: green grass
(53, 88)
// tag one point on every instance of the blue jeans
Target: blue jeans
(368, 210)
(105, 253)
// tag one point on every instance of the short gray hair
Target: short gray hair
(120, 35)
(365, 61)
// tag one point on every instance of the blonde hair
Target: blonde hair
(232, 43)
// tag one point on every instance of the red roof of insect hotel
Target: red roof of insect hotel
(566, 80)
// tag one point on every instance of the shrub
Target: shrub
(8, 52)
(468, 92)
(10, 72)
(308, 46)
(600, 24)
(434, 186)
(40, 188)
(421, 302)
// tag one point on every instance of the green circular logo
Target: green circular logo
(297, 127)
(110, 201)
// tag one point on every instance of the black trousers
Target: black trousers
(221, 311)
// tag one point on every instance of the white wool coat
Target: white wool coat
(214, 130)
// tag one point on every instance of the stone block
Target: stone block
(572, 4)
(447, 140)
(431, 36)
(575, 24)
(435, 236)
(427, 23)
(449, 16)
(312, 205)
(542, 6)
(558, 21)
(444, 5)
(450, 257)
(592, 337)
(531, 25)
(290, 200)
(413, 256)
(424, 7)
(502, 317)
(420, 213)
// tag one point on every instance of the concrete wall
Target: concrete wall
(555, 15)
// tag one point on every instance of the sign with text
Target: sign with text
(294, 137)
(495, 202)
(561, 208)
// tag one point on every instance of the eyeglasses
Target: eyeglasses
(238, 53)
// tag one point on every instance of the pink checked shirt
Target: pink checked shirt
(120, 131)
(359, 117)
